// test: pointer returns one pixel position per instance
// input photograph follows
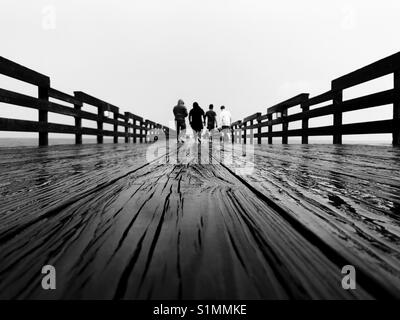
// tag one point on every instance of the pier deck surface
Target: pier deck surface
(128, 221)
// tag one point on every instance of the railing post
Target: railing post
(100, 115)
(235, 133)
(337, 117)
(145, 131)
(78, 124)
(304, 137)
(244, 128)
(126, 127)
(165, 131)
(251, 132)
(134, 130)
(149, 131)
(259, 129)
(285, 126)
(142, 124)
(43, 93)
(116, 125)
(396, 109)
(269, 128)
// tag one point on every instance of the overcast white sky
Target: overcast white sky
(248, 55)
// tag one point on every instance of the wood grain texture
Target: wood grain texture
(347, 195)
(146, 222)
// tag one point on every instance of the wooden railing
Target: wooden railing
(336, 107)
(130, 122)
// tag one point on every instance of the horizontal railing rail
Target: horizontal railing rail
(334, 106)
(134, 126)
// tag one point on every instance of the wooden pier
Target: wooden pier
(208, 224)
(238, 220)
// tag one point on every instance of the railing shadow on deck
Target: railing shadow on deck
(134, 126)
(336, 107)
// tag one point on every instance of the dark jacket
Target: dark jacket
(180, 113)
(196, 118)
(211, 119)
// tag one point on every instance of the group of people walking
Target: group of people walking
(199, 119)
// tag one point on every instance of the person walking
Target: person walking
(211, 118)
(225, 119)
(180, 113)
(196, 120)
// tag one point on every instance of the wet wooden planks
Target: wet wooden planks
(35, 181)
(349, 196)
(140, 225)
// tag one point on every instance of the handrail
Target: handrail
(335, 106)
(129, 121)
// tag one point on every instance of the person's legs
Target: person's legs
(177, 126)
(210, 132)
(183, 134)
(199, 135)
(225, 134)
(196, 135)
(222, 139)
(182, 131)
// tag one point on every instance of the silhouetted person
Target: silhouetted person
(211, 118)
(180, 114)
(196, 120)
